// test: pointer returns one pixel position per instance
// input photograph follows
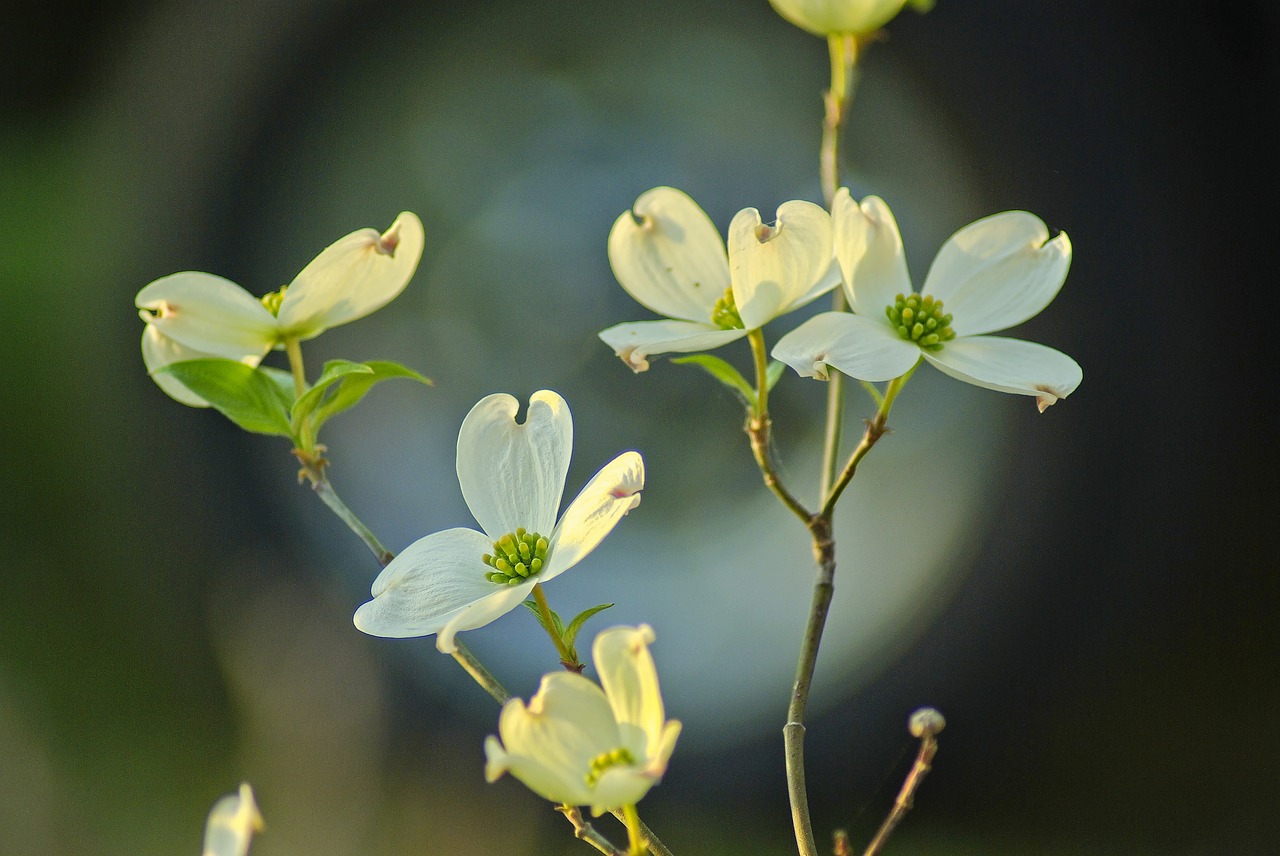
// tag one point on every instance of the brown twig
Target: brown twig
(925, 723)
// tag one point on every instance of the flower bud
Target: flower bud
(837, 17)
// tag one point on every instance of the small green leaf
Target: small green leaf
(723, 372)
(574, 626)
(334, 371)
(253, 398)
(773, 374)
(353, 386)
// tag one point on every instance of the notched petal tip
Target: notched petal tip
(636, 361)
(1048, 397)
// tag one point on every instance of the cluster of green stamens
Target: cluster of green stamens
(920, 319)
(725, 313)
(273, 300)
(606, 760)
(516, 557)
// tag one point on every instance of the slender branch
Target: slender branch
(634, 837)
(793, 732)
(759, 425)
(313, 468)
(655, 845)
(479, 673)
(925, 724)
(876, 428)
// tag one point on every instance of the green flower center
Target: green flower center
(273, 300)
(920, 319)
(725, 313)
(516, 557)
(606, 760)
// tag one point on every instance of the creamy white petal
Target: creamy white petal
(1010, 365)
(566, 725)
(856, 345)
(352, 277)
(667, 254)
(636, 341)
(604, 501)
(232, 822)
(620, 786)
(482, 612)
(208, 313)
(773, 267)
(432, 580)
(555, 784)
(998, 272)
(868, 246)
(630, 681)
(512, 474)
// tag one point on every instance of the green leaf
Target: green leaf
(723, 372)
(253, 398)
(574, 626)
(773, 374)
(353, 386)
(334, 371)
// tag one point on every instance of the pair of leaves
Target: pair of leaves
(558, 629)
(731, 377)
(262, 400)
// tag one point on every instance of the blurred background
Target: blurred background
(1089, 595)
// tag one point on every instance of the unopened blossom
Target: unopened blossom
(193, 315)
(837, 17)
(992, 274)
(667, 254)
(512, 477)
(578, 744)
(231, 825)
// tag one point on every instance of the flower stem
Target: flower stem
(633, 830)
(567, 657)
(843, 50)
(294, 351)
(759, 425)
(876, 427)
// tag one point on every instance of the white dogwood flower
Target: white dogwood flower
(512, 476)
(231, 825)
(193, 315)
(667, 254)
(577, 744)
(992, 274)
(828, 17)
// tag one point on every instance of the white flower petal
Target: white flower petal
(620, 786)
(565, 726)
(209, 314)
(232, 822)
(158, 351)
(433, 580)
(1010, 365)
(868, 246)
(538, 777)
(854, 344)
(671, 261)
(630, 681)
(774, 267)
(481, 613)
(512, 474)
(636, 341)
(604, 501)
(352, 277)
(998, 272)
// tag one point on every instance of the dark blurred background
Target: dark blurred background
(1094, 606)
